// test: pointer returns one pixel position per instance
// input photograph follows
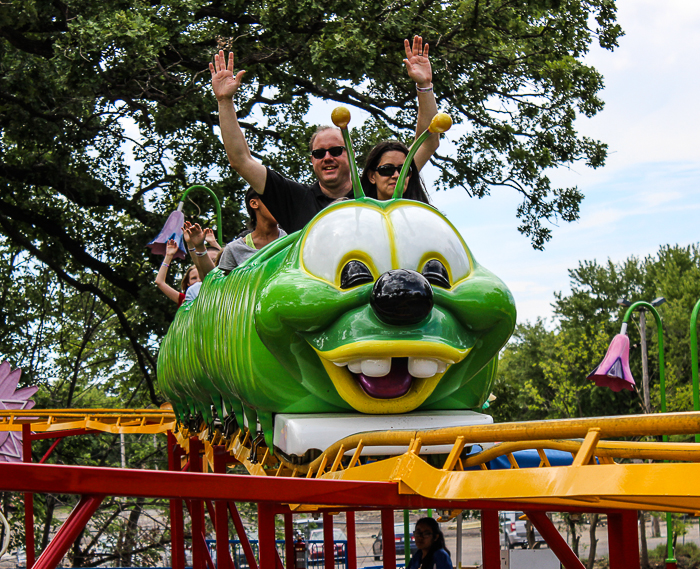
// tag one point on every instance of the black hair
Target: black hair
(415, 189)
(251, 194)
(438, 542)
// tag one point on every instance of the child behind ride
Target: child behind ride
(191, 276)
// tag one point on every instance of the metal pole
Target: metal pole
(406, 538)
(351, 553)
(490, 540)
(645, 362)
(662, 387)
(459, 541)
(28, 497)
(388, 539)
(694, 359)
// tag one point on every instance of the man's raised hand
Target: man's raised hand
(417, 62)
(223, 82)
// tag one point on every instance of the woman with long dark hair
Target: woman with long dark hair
(430, 541)
(382, 169)
(384, 161)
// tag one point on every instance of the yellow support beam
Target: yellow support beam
(659, 486)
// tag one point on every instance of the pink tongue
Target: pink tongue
(394, 384)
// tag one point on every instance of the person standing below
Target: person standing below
(430, 541)
(293, 204)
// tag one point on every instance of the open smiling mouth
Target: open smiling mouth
(388, 378)
(383, 378)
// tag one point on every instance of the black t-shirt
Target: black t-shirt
(293, 204)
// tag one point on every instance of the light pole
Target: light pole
(174, 223)
(645, 361)
(694, 359)
(651, 307)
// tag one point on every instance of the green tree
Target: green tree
(106, 116)
(542, 373)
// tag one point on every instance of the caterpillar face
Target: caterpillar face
(384, 310)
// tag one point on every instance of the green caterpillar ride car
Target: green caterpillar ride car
(374, 308)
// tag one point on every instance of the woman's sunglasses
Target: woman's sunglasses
(387, 170)
(335, 151)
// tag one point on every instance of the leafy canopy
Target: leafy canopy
(542, 373)
(106, 116)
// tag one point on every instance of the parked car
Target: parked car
(378, 546)
(315, 544)
(515, 530)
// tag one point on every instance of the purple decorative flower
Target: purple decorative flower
(171, 230)
(12, 399)
(614, 371)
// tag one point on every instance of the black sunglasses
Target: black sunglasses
(388, 170)
(334, 151)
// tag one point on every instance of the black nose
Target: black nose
(402, 297)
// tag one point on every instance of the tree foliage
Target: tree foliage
(107, 115)
(542, 373)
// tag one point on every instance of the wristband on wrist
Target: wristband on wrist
(200, 253)
(164, 265)
(192, 249)
(424, 89)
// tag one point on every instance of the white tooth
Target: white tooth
(376, 367)
(422, 367)
(341, 364)
(442, 367)
(355, 366)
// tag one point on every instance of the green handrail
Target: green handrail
(218, 209)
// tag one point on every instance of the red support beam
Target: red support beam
(223, 557)
(197, 511)
(490, 540)
(50, 451)
(177, 527)
(351, 552)
(68, 533)
(388, 539)
(328, 542)
(556, 542)
(289, 555)
(623, 543)
(242, 536)
(266, 536)
(629, 530)
(341, 494)
(28, 497)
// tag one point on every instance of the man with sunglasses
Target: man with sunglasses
(291, 203)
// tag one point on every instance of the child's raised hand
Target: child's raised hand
(210, 238)
(171, 247)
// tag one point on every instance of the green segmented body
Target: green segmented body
(278, 334)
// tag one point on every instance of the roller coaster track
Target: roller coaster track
(604, 474)
(115, 421)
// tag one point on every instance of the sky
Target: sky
(647, 194)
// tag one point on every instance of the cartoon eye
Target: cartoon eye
(436, 273)
(355, 273)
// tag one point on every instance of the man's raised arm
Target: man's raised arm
(419, 69)
(225, 85)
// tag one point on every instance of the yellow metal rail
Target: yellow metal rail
(116, 421)
(603, 475)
